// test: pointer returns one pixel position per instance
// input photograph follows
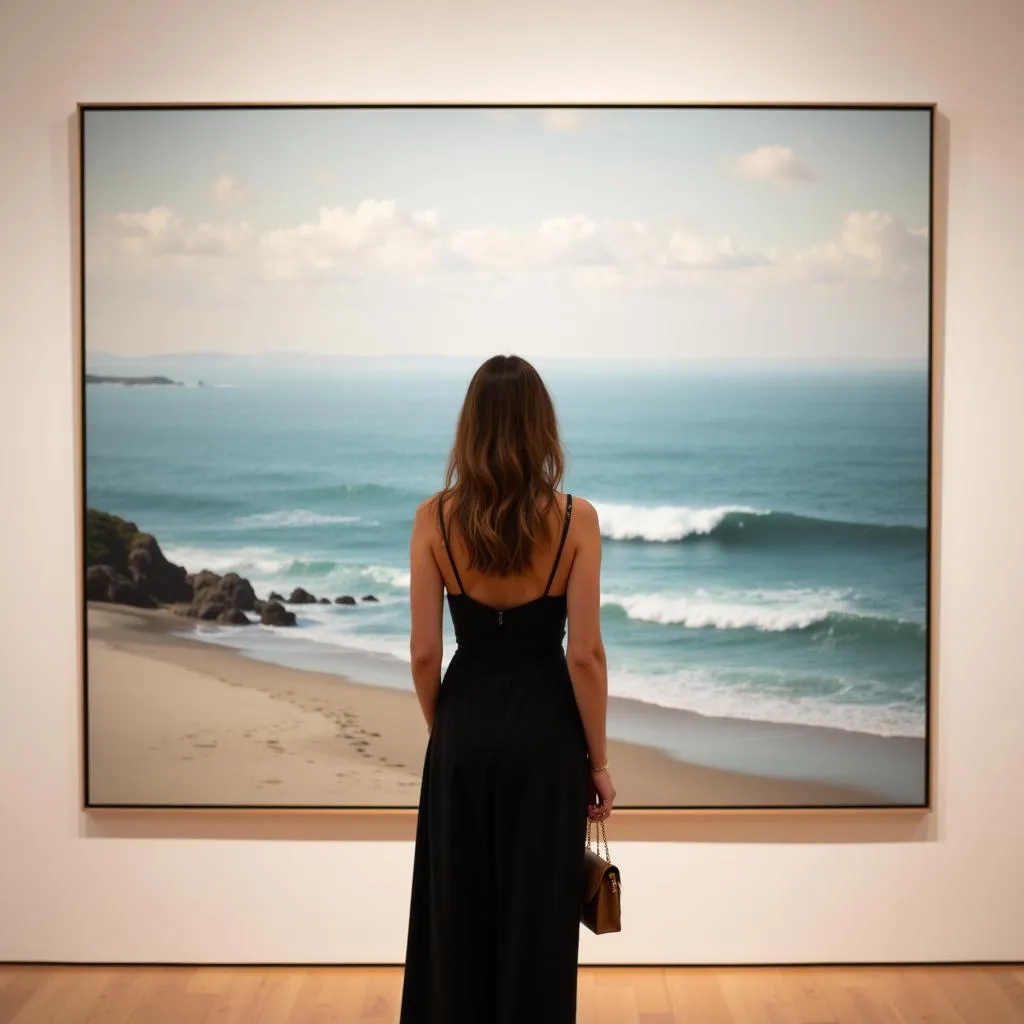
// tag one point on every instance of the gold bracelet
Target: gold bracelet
(600, 767)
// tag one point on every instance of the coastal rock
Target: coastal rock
(152, 571)
(230, 589)
(135, 558)
(108, 539)
(370, 597)
(210, 611)
(275, 596)
(301, 596)
(324, 600)
(126, 591)
(345, 599)
(97, 582)
(238, 591)
(233, 617)
(126, 566)
(275, 614)
(202, 579)
(105, 583)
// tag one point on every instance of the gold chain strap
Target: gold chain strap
(601, 836)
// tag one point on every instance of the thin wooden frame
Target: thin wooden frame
(639, 810)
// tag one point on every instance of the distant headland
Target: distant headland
(102, 378)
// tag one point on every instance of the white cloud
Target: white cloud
(375, 233)
(226, 189)
(871, 244)
(778, 164)
(378, 237)
(689, 250)
(485, 249)
(573, 239)
(161, 232)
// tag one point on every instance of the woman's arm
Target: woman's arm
(585, 653)
(426, 605)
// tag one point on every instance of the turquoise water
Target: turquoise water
(765, 535)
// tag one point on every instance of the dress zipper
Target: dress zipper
(500, 614)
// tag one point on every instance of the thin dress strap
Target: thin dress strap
(561, 543)
(444, 540)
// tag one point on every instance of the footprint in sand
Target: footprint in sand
(206, 746)
(272, 782)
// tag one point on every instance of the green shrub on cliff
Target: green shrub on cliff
(108, 539)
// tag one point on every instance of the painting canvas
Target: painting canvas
(282, 308)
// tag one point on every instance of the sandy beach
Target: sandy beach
(176, 721)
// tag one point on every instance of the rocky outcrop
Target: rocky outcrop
(104, 583)
(126, 566)
(148, 567)
(108, 539)
(275, 614)
(233, 617)
(345, 599)
(301, 596)
(231, 590)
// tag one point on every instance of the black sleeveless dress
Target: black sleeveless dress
(494, 921)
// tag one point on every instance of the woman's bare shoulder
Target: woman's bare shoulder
(581, 504)
(583, 511)
(428, 506)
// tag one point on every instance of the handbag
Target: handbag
(601, 909)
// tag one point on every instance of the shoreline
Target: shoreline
(176, 720)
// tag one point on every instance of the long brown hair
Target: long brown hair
(504, 467)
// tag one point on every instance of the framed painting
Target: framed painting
(282, 307)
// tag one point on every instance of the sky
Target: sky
(621, 233)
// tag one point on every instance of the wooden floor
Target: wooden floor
(608, 995)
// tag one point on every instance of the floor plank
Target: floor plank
(76, 994)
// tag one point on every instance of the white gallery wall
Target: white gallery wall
(699, 889)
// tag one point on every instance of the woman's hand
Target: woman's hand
(603, 796)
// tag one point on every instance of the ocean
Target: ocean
(765, 532)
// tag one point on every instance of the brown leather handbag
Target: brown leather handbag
(601, 909)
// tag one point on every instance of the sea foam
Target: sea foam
(787, 610)
(661, 522)
(292, 517)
